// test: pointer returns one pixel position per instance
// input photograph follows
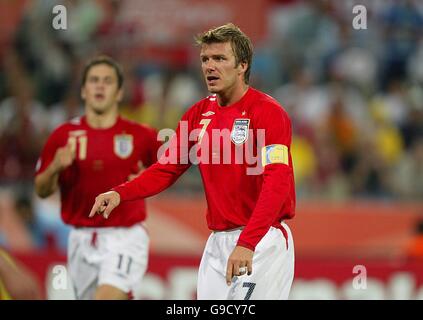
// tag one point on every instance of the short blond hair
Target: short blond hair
(240, 43)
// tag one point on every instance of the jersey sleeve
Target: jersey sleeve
(153, 147)
(48, 152)
(277, 175)
(163, 173)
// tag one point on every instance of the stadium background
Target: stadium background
(355, 98)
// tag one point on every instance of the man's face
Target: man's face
(100, 91)
(219, 69)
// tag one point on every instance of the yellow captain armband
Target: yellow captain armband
(274, 153)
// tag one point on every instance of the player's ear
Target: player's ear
(83, 94)
(242, 67)
(119, 95)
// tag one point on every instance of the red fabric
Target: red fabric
(415, 248)
(101, 170)
(234, 198)
(94, 237)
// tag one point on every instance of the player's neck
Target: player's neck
(232, 95)
(101, 121)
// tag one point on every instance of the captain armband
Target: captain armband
(274, 153)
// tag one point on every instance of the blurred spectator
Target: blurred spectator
(387, 137)
(28, 223)
(329, 180)
(346, 90)
(343, 132)
(42, 219)
(70, 107)
(393, 103)
(305, 164)
(356, 65)
(165, 98)
(23, 125)
(412, 128)
(52, 232)
(308, 34)
(48, 54)
(14, 234)
(402, 23)
(115, 35)
(415, 64)
(370, 174)
(305, 101)
(408, 176)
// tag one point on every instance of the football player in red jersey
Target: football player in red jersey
(250, 253)
(89, 155)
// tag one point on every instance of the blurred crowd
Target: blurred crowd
(355, 96)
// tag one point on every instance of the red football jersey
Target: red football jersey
(104, 158)
(239, 191)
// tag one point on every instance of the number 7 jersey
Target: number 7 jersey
(104, 158)
(244, 159)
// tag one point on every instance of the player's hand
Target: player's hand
(64, 157)
(105, 203)
(141, 168)
(240, 262)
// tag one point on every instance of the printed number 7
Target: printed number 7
(205, 123)
(250, 286)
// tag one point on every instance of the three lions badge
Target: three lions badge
(239, 132)
(123, 145)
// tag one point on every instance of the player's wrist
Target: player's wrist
(246, 245)
(56, 168)
(116, 195)
(121, 194)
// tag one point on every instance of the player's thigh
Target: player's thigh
(211, 283)
(108, 292)
(273, 270)
(125, 261)
(83, 272)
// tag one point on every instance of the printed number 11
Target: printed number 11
(81, 141)
(128, 264)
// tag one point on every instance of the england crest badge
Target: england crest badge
(239, 132)
(123, 145)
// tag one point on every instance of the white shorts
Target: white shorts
(113, 256)
(273, 268)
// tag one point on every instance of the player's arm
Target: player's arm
(277, 185)
(154, 147)
(161, 175)
(46, 182)
(19, 283)
(277, 177)
(150, 182)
